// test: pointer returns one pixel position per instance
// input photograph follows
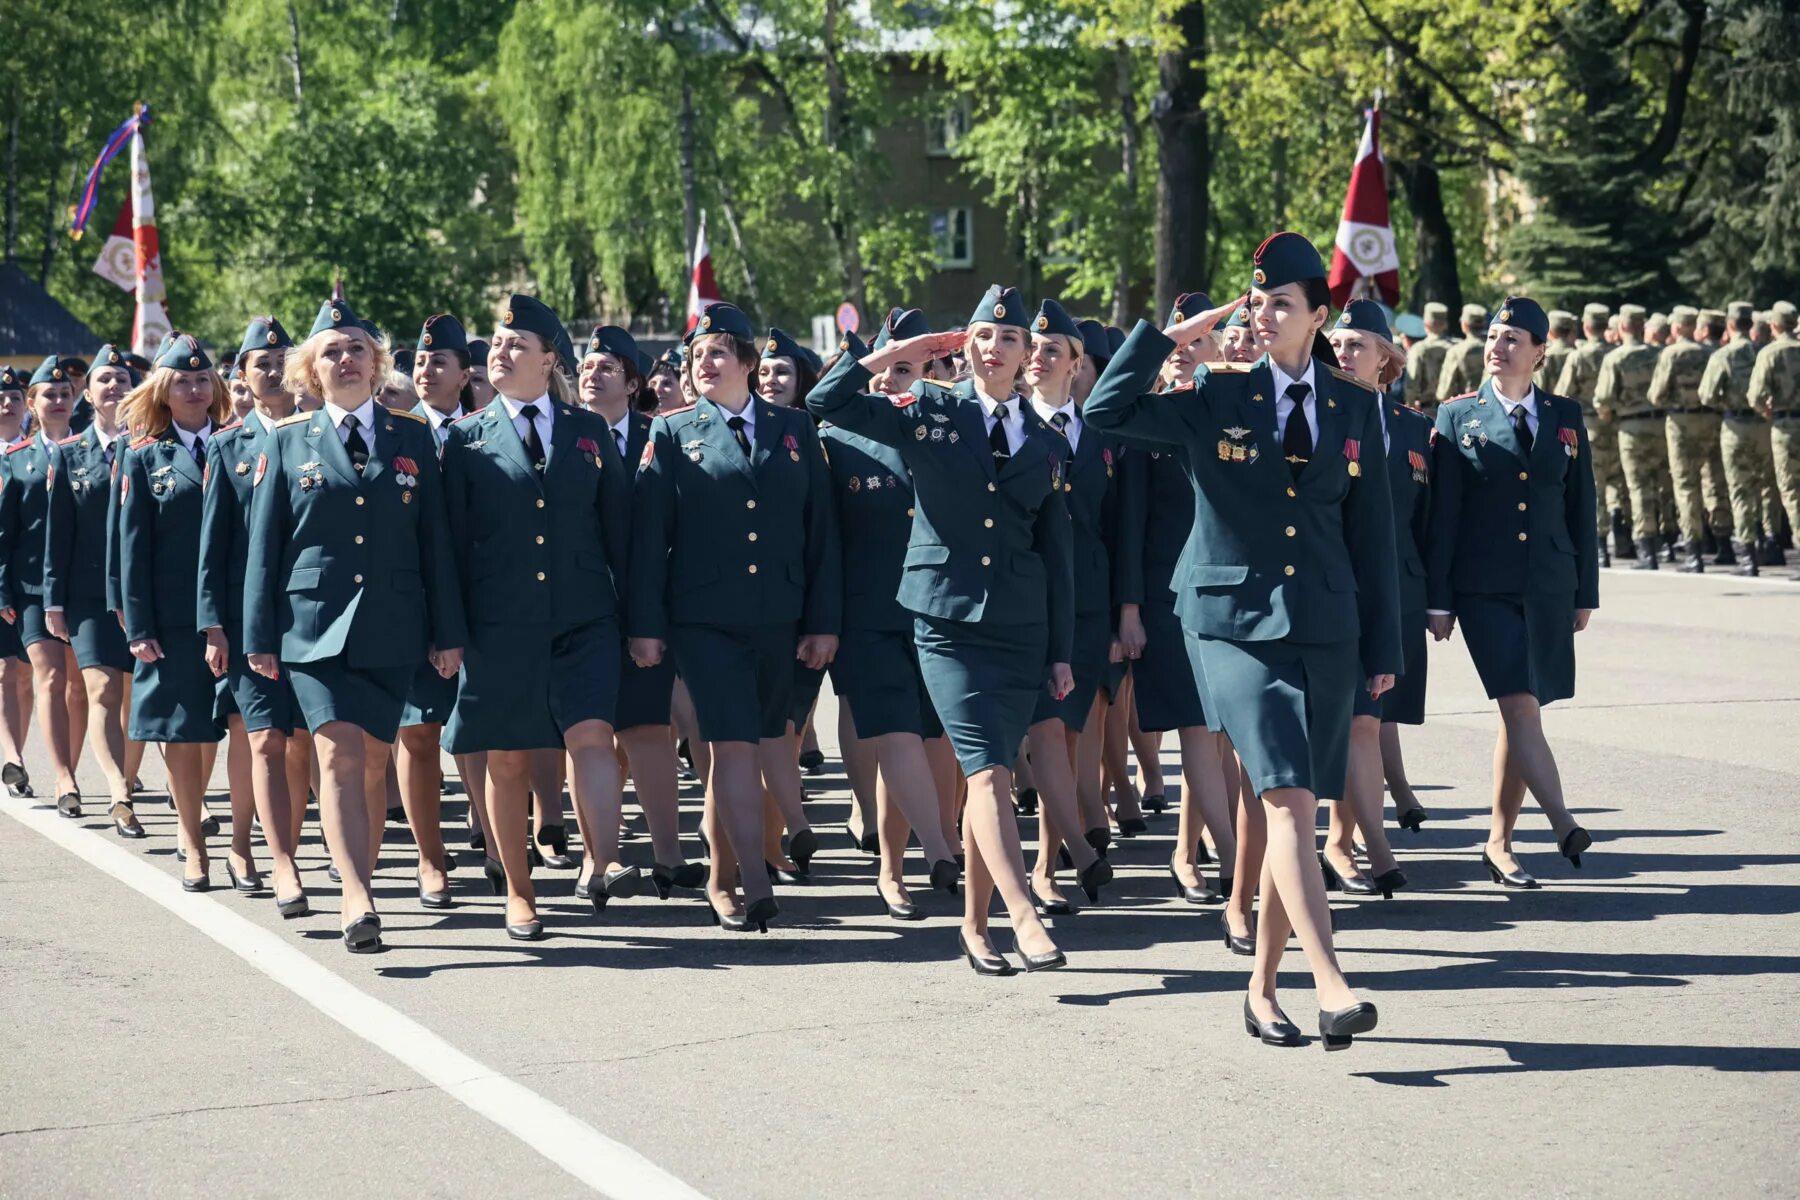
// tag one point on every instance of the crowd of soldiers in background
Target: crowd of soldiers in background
(1693, 416)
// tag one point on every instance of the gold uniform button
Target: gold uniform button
(1524, 475)
(540, 577)
(747, 503)
(1521, 506)
(992, 488)
(753, 568)
(359, 579)
(753, 537)
(986, 561)
(1290, 531)
(988, 523)
(540, 539)
(1288, 570)
(1290, 491)
(1522, 537)
(359, 501)
(359, 539)
(909, 512)
(540, 504)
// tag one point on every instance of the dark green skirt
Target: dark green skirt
(1521, 643)
(172, 698)
(1286, 707)
(984, 678)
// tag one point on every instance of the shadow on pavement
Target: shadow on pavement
(1560, 1056)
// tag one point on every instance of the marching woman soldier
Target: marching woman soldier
(1287, 589)
(15, 668)
(75, 584)
(538, 503)
(1512, 556)
(735, 555)
(161, 479)
(440, 374)
(610, 384)
(24, 511)
(270, 766)
(1156, 513)
(988, 577)
(876, 672)
(350, 582)
(1063, 729)
(1360, 341)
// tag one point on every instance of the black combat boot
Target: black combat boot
(1621, 531)
(1727, 555)
(1746, 558)
(1692, 561)
(1771, 553)
(1708, 543)
(1646, 555)
(1671, 541)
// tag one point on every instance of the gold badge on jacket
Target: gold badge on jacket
(1232, 448)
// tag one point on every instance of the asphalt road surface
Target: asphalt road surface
(1631, 1026)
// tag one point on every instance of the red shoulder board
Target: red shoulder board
(1464, 396)
(20, 446)
(470, 416)
(905, 400)
(237, 424)
(1184, 387)
(141, 442)
(70, 440)
(676, 412)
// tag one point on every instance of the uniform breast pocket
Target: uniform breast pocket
(1214, 575)
(1340, 579)
(926, 556)
(304, 579)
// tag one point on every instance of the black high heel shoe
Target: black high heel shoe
(477, 840)
(69, 805)
(726, 921)
(1337, 1028)
(201, 882)
(1193, 895)
(1050, 908)
(1572, 845)
(1202, 855)
(363, 935)
(900, 912)
(1279, 1032)
(944, 875)
(333, 874)
(1226, 883)
(249, 885)
(1025, 800)
(1130, 827)
(292, 906)
(1511, 879)
(525, 931)
(1040, 962)
(1155, 803)
(761, 912)
(666, 879)
(622, 883)
(1093, 877)
(1245, 946)
(868, 843)
(430, 899)
(496, 875)
(783, 875)
(557, 838)
(1099, 839)
(1413, 817)
(812, 762)
(1355, 885)
(981, 963)
(17, 780)
(1389, 882)
(127, 826)
(801, 848)
(209, 824)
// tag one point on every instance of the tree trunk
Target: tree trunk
(12, 187)
(690, 200)
(1128, 169)
(50, 195)
(1184, 164)
(837, 127)
(1434, 242)
(295, 60)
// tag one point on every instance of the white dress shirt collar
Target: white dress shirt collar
(748, 413)
(1071, 428)
(1284, 405)
(189, 437)
(364, 414)
(1528, 402)
(1015, 419)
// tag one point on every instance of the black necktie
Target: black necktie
(1521, 428)
(534, 445)
(737, 431)
(199, 452)
(109, 451)
(1296, 440)
(359, 449)
(619, 441)
(1060, 421)
(997, 435)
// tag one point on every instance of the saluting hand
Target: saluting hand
(1183, 332)
(1379, 684)
(265, 665)
(915, 349)
(646, 652)
(148, 650)
(816, 650)
(1582, 616)
(1062, 680)
(218, 654)
(1440, 624)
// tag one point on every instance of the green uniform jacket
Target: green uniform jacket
(1424, 363)
(1090, 491)
(549, 548)
(1775, 379)
(874, 493)
(988, 543)
(24, 514)
(160, 487)
(1556, 357)
(1725, 388)
(231, 457)
(1409, 480)
(1623, 389)
(1462, 370)
(1675, 385)
(1580, 372)
(1504, 523)
(1156, 514)
(1269, 557)
(726, 540)
(77, 545)
(346, 564)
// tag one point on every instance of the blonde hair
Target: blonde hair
(145, 412)
(298, 373)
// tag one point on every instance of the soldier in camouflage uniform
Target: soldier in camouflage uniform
(1720, 538)
(1425, 360)
(1580, 372)
(1777, 527)
(1692, 434)
(1775, 392)
(1563, 328)
(1743, 440)
(1656, 330)
(1462, 371)
(1622, 398)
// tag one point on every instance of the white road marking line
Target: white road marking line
(610, 1168)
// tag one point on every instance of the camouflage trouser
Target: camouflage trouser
(1784, 442)
(1644, 454)
(1750, 473)
(1700, 491)
(1609, 476)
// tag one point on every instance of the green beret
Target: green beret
(721, 317)
(901, 324)
(1522, 312)
(1189, 304)
(334, 314)
(442, 331)
(184, 353)
(1094, 342)
(1001, 306)
(478, 352)
(1365, 316)
(528, 314)
(1053, 318)
(49, 371)
(264, 333)
(852, 345)
(780, 344)
(12, 379)
(110, 356)
(611, 339)
(1285, 258)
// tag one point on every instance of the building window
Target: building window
(952, 240)
(946, 127)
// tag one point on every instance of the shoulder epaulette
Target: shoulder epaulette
(1180, 387)
(903, 399)
(22, 445)
(146, 440)
(72, 438)
(407, 413)
(292, 418)
(1347, 377)
(676, 412)
(480, 412)
(1229, 368)
(237, 424)
(1464, 396)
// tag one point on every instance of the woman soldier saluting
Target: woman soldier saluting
(1288, 587)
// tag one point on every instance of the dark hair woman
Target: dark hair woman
(1287, 594)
